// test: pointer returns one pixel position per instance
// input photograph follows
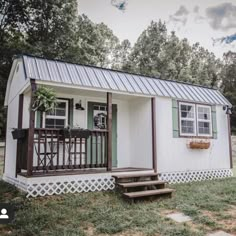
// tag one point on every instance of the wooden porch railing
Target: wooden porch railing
(52, 151)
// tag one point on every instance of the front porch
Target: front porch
(45, 152)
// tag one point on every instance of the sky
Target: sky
(208, 22)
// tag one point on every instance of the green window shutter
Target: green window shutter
(175, 118)
(71, 112)
(214, 122)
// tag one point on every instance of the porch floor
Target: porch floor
(84, 171)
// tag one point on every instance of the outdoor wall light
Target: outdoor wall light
(78, 106)
(227, 110)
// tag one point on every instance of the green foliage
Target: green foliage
(228, 75)
(44, 99)
(156, 53)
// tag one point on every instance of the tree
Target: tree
(228, 75)
(121, 55)
(145, 55)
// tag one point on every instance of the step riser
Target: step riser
(136, 179)
(148, 198)
(142, 188)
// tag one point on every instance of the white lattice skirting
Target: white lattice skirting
(193, 176)
(85, 183)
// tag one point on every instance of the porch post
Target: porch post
(30, 151)
(230, 143)
(154, 150)
(109, 129)
(19, 141)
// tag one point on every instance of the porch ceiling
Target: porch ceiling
(116, 81)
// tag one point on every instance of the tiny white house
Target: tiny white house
(131, 124)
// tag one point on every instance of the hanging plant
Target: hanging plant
(44, 99)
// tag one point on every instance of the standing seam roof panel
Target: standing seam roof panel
(134, 83)
(176, 92)
(148, 86)
(101, 78)
(121, 86)
(125, 82)
(161, 87)
(73, 74)
(155, 88)
(41, 66)
(140, 84)
(54, 75)
(182, 94)
(208, 95)
(83, 76)
(93, 80)
(110, 80)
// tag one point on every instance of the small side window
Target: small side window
(187, 119)
(204, 123)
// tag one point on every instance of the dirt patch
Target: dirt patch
(226, 220)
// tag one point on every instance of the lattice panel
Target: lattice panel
(193, 176)
(78, 185)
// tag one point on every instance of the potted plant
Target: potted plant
(75, 132)
(18, 133)
(44, 99)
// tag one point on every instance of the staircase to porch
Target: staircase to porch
(142, 186)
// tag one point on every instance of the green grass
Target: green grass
(106, 213)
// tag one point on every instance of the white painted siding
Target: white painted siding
(173, 154)
(141, 133)
(18, 82)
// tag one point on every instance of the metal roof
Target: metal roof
(93, 77)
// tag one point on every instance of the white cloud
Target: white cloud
(222, 16)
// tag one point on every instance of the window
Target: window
(187, 119)
(204, 120)
(99, 117)
(58, 117)
(195, 120)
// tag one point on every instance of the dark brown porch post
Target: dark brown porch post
(30, 151)
(154, 150)
(230, 143)
(19, 126)
(109, 129)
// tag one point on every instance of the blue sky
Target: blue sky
(197, 20)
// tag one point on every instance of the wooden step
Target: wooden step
(148, 193)
(142, 183)
(127, 176)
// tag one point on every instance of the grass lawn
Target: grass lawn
(211, 204)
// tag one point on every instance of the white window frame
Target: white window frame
(188, 119)
(58, 117)
(202, 120)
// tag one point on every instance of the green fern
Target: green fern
(44, 99)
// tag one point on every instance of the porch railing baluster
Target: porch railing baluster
(58, 149)
(39, 149)
(75, 152)
(96, 133)
(101, 138)
(45, 151)
(80, 152)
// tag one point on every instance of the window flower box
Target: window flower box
(199, 145)
(75, 133)
(18, 133)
